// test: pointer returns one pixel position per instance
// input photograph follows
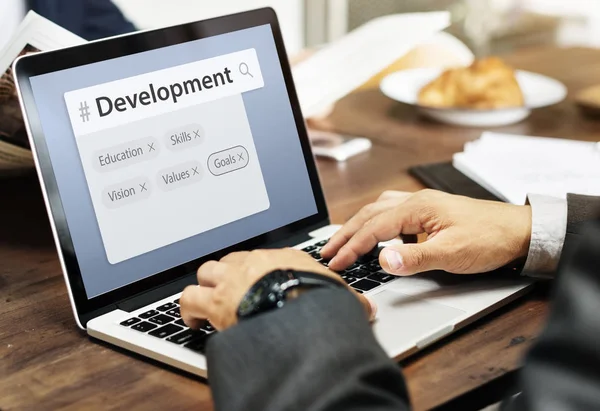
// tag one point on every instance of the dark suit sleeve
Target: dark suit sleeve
(317, 353)
(562, 371)
(581, 209)
(90, 19)
(103, 19)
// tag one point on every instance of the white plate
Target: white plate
(538, 91)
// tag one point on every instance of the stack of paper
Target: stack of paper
(511, 166)
(39, 33)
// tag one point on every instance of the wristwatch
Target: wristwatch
(271, 291)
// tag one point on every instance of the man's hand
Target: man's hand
(223, 284)
(464, 236)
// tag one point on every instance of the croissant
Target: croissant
(486, 84)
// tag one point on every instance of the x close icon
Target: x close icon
(143, 187)
(241, 156)
(151, 147)
(195, 171)
(197, 134)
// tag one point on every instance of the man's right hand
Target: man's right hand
(464, 235)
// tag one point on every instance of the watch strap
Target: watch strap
(271, 290)
(307, 278)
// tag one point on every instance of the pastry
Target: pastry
(486, 84)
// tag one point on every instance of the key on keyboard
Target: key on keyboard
(166, 307)
(358, 273)
(309, 248)
(174, 313)
(165, 331)
(353, 267)
(365, 285)
(207, 326)
(130, 321)
(148, 314)
(381, 277)
(144, 326)
(198, 344)
(186, 336)
(161, 319)
(315, 254)
(373, 267)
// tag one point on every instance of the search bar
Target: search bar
(134, 98)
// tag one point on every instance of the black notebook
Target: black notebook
(444, 177)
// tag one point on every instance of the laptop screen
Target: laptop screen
(164, 156)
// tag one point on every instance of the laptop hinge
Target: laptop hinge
(290, 241)
(141, 300)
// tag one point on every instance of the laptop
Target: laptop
(163, 149)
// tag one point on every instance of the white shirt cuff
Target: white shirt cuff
(548, 231)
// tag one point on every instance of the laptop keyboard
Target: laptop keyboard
(164, 321)
(364, 275)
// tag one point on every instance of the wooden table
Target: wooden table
(47, 363)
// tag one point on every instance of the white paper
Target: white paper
(342, 66)
(35, 33)
(40, 33)
(511, 167)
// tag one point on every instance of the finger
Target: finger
(212, 272)
(382, 227)
(344, 234)
(195, 305)
(354, 224)
(409, 259)
(236, 257)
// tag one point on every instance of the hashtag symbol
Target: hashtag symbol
(84, 111)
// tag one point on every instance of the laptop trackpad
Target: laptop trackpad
(404, 321)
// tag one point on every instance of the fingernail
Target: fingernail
(332, 261)
(394, 259)
(373, 310)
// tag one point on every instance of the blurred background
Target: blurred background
(486, 26)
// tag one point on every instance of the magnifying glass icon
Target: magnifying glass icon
(244, 70)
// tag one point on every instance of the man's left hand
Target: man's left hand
(222, 284)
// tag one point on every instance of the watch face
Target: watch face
(266, 294)
(253, 297)
(271, 291)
